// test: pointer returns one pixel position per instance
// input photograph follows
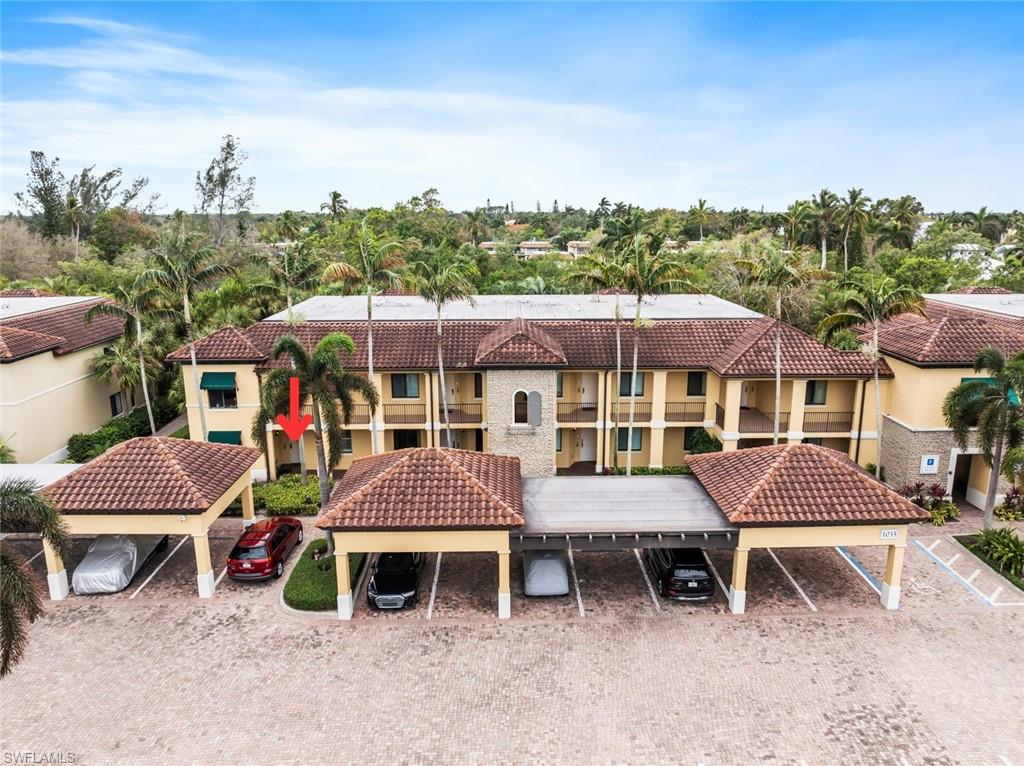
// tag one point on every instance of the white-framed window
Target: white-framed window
(222, 399)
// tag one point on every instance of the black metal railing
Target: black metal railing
(828, 422)
(720, 415)
(641, 412)
(756, 422)
(405, 413)
(360, 413)
(462, 413)
(577, 412)
(684, 412)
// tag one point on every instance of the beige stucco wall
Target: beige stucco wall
(44, 399)
(234, 419)
(533, 445)
(916, 394)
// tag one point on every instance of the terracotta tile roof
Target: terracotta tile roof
(17, 344)
(980, 290)
(25, 292)
(153, 474)
(950, 335)
(67, 323)
(427, 488)
(797, 484)
(519, 343)
(228, 344)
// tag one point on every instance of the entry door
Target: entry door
(588, 388)
(745, 392)
(588, 444)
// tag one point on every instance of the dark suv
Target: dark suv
(683, 573)
(394, 581)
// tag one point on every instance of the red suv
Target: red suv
(260, 552)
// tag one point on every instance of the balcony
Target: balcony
(461, 413)
(720, 415)
(641, 412)
(684, 412)
(360, 413)
(577, 412)
(753, 421)
(405, 413)
(828, 422)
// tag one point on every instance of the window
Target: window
(817, 390)
(559, 380)
(116, 404)
(689, 436)
(478, 385)
(815, 440)
(221, 400)
(519, 407)
(225, 437)
(624, 384)
(346, 442)
(696, 383)
(558, 440)
(638, 439)
(405, 386)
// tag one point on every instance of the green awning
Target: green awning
(218, 381)
(226, 437)
(1014, 399)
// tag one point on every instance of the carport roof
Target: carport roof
(153, 475)
(798, 485)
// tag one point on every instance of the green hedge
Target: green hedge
(312, 585)
(84, 447)
(671, 470)
(288, 496)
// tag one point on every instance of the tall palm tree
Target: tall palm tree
(476, 226)
(700, 214)
(854, 215)
(781, 273)
(183, 264)
(872, 299)
(76, 214)
(993, 407)
(293, 269)
(336, 206)
(323, 378)
(23, 506)
(289, 225)
(603, 210)
(130, 305)
(376, 267)
(643, 274)
(118, 364)
(793, 218)
(985, 223)
(824, 209)
(441, 279)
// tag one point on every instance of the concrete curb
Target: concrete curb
(327, 614)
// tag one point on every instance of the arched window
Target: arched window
(519, 407)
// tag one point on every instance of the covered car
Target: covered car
(545, 573)
(113, 560)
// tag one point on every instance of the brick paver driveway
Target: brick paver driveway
(165, 678)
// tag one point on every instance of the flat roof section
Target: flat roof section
(616, 512)
(19, 306)
(1009, 304)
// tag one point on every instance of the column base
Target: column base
(206, 583)
(58, 585)
(737, 601)
(890, 596)
(504, 606)
(246, 523)
(345, 607)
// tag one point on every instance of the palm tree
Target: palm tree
(336, 206)
(700, 215)
(289, 225)
(604, 208)
(24, 506)
(643, 274)
(793, 218)
(118, 364)
(377, 267)
(292, 269)
(182, 265)
(854, 215)
(75, 213)
(870, 300)
(991, 405)
(130, 305)
(476, 226)
(781, 273)
(323, 378)
(441, 280)
(823, 207)
(985, 223)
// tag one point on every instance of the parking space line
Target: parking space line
(932, 546)
(954, 558)
(954, 574)
(576, 584)
(159, 566)
(220, 577)
(974, 574)
(433, 588)
(650, 588)
(714, 571)
(37, 555)
(795, 584)
(860, 569)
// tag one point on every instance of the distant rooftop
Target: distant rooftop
(1008, 304)
(408, 308)
(19, 306)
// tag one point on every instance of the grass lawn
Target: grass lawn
(969, 542)
(181, 433)
(313, 589)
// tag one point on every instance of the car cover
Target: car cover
(112, 561)
(545, 573)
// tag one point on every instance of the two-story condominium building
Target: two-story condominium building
(929, 357)
(534, 376)
(48, 390)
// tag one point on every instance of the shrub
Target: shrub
(669, 470)
(932, 499)
(84, 447)
(870, 468)
(1012, 507)
(1003, 547)
(704, 442)
(289, 496)
(312, 585)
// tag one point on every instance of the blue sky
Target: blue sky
(742, 104)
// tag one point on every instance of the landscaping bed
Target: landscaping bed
(313, 585)
(1001, 549)
(288, 496)
(84, 447)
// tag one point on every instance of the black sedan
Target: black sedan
(683, 573)
(394, 581)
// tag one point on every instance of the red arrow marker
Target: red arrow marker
(293, 425)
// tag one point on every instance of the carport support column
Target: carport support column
(341, 570)
(738, 587)
(504, 592)
(204, 565)
(56, 574)
(893, 572)
(248, 507)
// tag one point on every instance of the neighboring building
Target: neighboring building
(929, 357)
(491, 246)
(48, 390)
(578, 247)
(533, 376)
(533, 248)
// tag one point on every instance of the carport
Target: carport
(805, 496)
(154, 486)
(425, 500)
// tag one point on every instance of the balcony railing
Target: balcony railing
(405, 413)
(754, 421)
(684, 412)
(462, 413)
(577, 412)
(360, 413)
(828, 422)
(720, 415)
(641, 412)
